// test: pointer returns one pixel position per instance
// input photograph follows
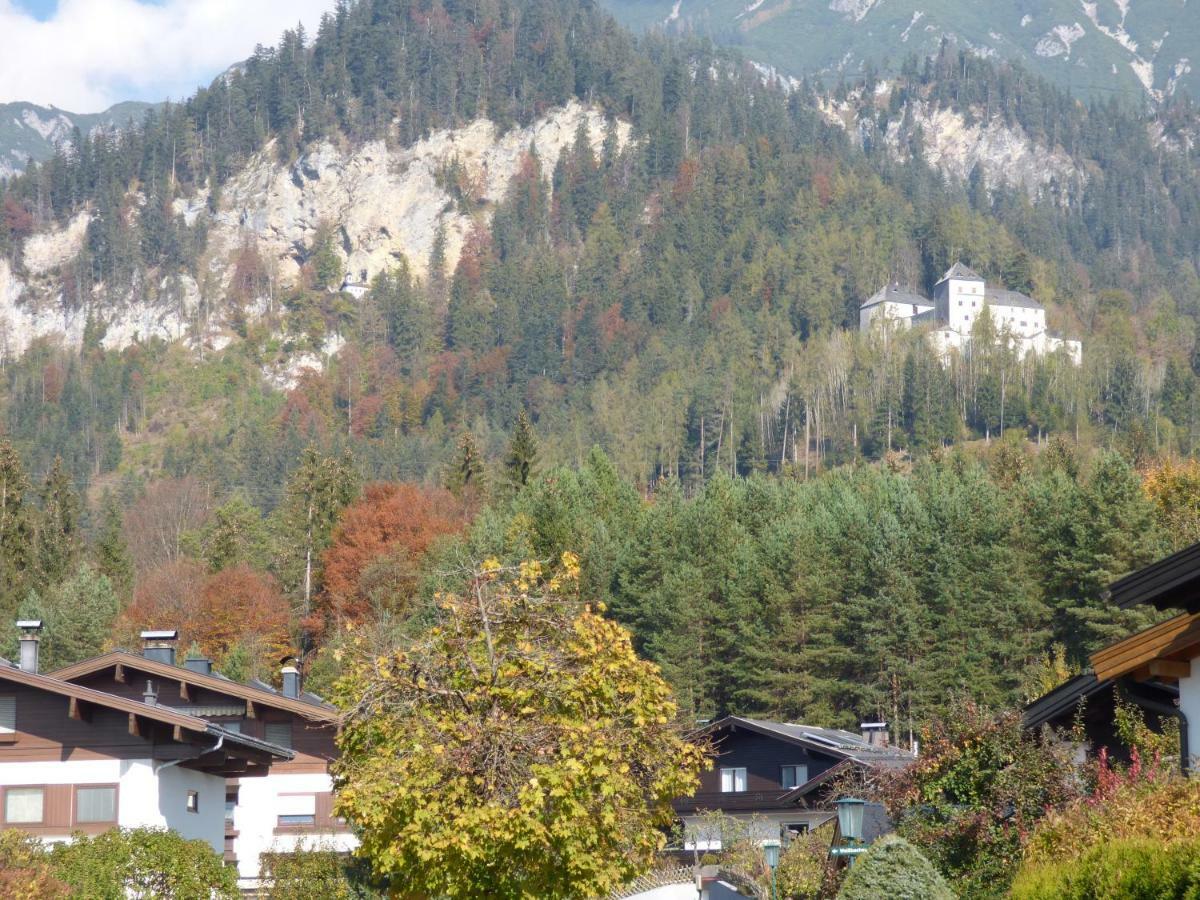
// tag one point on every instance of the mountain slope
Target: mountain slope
(1092, 47)
(29, 131)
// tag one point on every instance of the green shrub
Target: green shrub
(1123, 869)
(895, 869)
(146, 863)
(313, 871)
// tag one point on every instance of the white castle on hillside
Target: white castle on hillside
(958, 301)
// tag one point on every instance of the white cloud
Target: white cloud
(93, 53)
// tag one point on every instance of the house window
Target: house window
(231, 799)
(8, 717)
(193, 801)
(794, 776)
(733, 781)
(24, 805)
(797, 827)
(279, 734)
(235, 727)
(96, 804)
(297, 809)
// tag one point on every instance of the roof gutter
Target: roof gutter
(174, 762)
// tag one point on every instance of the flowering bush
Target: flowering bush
(972, 799)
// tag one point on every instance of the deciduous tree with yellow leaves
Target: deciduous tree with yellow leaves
(517, 749)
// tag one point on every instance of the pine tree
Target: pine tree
(466, 474)
(113, 559)
(16, 529)
(521, 461)
(317, 491)
(58, 538)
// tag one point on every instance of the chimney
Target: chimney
(291, 679)
(875, 733)
(151, 695)
(160, 646)
(30, 637)
(201, 664)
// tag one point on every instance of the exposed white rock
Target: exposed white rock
(917, 17)
(51, 250)
(1058, 40)
(386, 203)
(853, 9)
(1005, 155)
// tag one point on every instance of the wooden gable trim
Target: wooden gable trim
(124, 661)
(1174, 639)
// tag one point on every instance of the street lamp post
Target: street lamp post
(771, 852)
(850, 824)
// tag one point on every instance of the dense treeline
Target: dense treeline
(680, 300)
(677, 300)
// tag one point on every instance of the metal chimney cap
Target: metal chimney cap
(30, 624)
(290, 670)
(171, 635)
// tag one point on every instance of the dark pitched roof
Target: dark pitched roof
(958, 270)
(896, 293)
(1002, 297)
(1171, 583)
(832, 741)
(1062, 700)
(308, 705)
(152, 712)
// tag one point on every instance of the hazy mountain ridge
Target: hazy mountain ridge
(1133, 47)
(29, 131)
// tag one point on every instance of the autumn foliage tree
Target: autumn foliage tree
(378, 544)
(519, 749)
(235, 607)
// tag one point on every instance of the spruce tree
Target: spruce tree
(113, 559)
(58, 538)
(466, 474)
(521, 460)
(317, 491)
(16, 529)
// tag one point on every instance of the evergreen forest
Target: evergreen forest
(647, 354)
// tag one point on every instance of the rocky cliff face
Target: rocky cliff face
(955, 145)
(385, 203)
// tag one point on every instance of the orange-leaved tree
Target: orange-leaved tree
(378, 544)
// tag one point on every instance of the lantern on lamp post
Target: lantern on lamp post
(771, 852)
(850, 826)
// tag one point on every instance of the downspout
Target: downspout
(1167, 709)
(175, 762)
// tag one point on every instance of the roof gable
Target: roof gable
(179, 722)
(841, 745)
(961, 273)
(310, 707)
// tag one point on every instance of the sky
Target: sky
(85, 55)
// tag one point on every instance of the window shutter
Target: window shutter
(279, 733)
(8, 714)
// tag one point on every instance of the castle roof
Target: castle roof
(1002, 297)
(896, 293)
(961, 272)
